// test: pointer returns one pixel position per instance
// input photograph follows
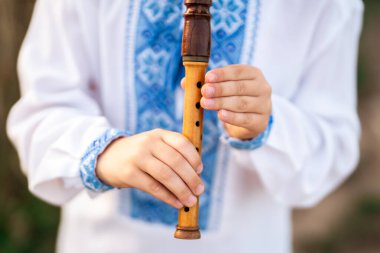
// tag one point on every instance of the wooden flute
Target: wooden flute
(196, 43)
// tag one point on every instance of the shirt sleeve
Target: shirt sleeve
(90, 159)
(57, 117)
(314, 142)
(254, 143)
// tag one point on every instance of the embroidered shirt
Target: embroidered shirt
(82, 73)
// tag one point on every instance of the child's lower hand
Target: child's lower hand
(162, 163)
(242, 97)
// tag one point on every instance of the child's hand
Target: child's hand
(242, 97)
(162, 163)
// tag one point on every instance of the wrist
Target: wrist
(105, 163)
(89, 161)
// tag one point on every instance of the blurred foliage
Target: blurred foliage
(358, 232)
(372, 11)
(26, 223)
(30, 225)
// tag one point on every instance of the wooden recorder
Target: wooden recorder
(196, 43)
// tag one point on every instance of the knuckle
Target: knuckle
(242, 104)
(240, 88)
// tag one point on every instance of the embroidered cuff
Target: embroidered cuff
(255, 143)
(88, 161)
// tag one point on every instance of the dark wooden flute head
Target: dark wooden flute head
(196, 39)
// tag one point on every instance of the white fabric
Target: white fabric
(307, 51)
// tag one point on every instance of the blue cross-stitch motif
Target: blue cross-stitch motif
(158, 71)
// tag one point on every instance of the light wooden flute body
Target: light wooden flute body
(196, 52)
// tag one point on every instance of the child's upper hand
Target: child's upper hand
(242, 97)
(162, 163)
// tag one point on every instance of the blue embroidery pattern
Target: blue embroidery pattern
(88, 161)
(228, 25)
(256, 22)
(158, 71)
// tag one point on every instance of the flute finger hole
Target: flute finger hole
(186, 209)
(198, 105)
(199, 85)
(197, 123)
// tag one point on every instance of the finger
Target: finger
(179, 165)
(146, 183)
(231, 88)
(183, 83)
(184, 147)
(251, 121)
(168, 178)
(233, 73)
(234, 104)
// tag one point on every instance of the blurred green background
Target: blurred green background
(347, 221)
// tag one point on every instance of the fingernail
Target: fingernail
(210, 91)
(211, 77)
(200, 189)
(178, 204)
(191, 201)
(200, 169)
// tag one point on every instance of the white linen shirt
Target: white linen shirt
(72, 74)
